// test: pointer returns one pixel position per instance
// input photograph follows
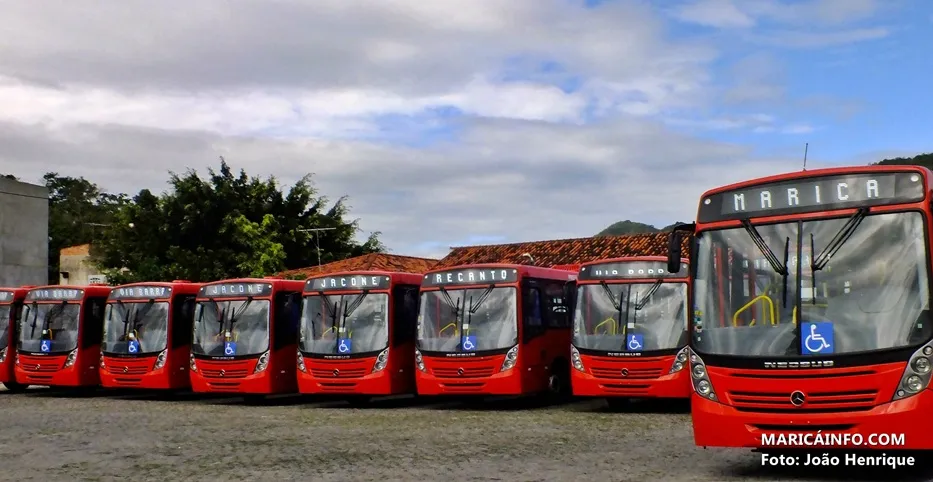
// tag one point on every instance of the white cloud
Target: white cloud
(562, 132)
(714, 13)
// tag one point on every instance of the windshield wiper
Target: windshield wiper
(770, 257)
(235, 314)
(474, 307)
(845, 233)
(615, 304)
(35, 318)
(645, 298)
(139, 313)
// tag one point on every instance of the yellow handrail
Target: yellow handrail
(611, 331)
(766, 298)
(451, 325)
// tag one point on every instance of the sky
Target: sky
(451, 123)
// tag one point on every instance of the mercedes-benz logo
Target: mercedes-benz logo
(460, 371)
(798, 398)
(126, 369)
(336, 372)
(625, 372)
(38, 367)
(222, 373)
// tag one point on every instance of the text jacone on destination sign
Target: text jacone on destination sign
(629, 269)
(348, 282)
(220, 290)
(140, 292)
(814, 194)
(467, 276)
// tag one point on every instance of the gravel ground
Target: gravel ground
(48, 435)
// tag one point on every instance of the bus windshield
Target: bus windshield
(54, 325)
(863, 287)
(463, 320)
(607, 314)
(345, 324)
(5, 312)
(135, 328)
(231, 328)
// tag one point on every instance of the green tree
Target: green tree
(925, 160)
(79, 211)
(226, 226)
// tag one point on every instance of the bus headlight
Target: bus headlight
(575, 359)
(192, 364)
(160, 360)
(301, 363)
(419, 360)
(263, 362)
(102, 364)
(917, 373)
(381, 361)
(3, 354)
(680, 361)
(700, 377)
(510, 358)
(72, 356)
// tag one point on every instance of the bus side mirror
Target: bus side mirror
(675, 241)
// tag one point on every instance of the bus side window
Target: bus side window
(404, 315)
(556, 306)
(93, 325)
(287, 314)
(182, 319)
(531, 309)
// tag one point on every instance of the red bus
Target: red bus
(59, 336)
(812, 321)
(11, 308)
(630, 330)
(245, 336)
(494, 329)
(147, 336)
(358, 334)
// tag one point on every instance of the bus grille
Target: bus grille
(225, 373)
(468, 372)
(340, 373)
(847, 401)
(631, 373)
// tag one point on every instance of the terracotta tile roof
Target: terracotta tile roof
(79, 250)
(374, 261)
(563, 252)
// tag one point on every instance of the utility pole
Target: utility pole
(317, 241)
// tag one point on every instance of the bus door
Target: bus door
(533, 340)
(180, 342)
(285, 327)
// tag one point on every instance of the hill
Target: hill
(925, 160)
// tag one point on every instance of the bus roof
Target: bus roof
(358, 280)
(630, 269)
(518, 270)
(126, 291)
(86, 290)
(274, 283)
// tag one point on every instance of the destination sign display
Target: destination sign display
(6, 296)
(814, 194)
(54, 294)
(629, 270)
(231, 290)
(471, 276)
(348, 282)
(140, 292)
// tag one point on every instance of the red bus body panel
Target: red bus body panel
(631, 377)
(850, 400)
(50, 370)
(481, 375)
(139, 371)
(237, 376)
(354, 376)
(8, 364)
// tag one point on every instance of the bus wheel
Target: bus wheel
(559, 381)
(14, 387)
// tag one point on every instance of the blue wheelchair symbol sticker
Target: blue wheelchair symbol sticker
(345, 345)
(229, 348)
(635, 342)
(817, 338)
(133, 347)
(468, 343)
(45, 346)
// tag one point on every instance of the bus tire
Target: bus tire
(14, 387)
(559, 381)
